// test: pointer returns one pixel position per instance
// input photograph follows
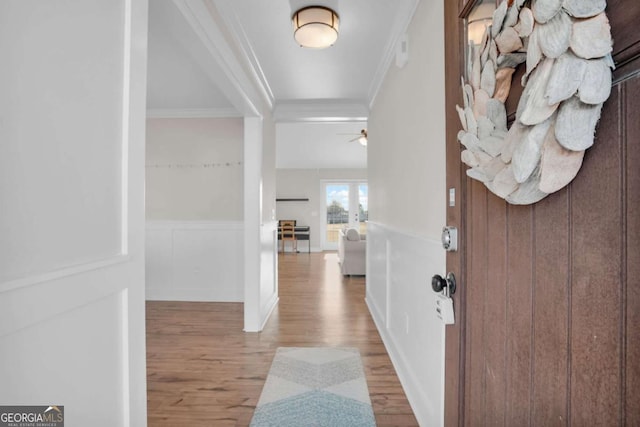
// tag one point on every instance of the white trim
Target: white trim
(126, 116)
(321, 111)
(272, 306)
(185, 294)
(125, 389)
(62, 272)
(253, 149)
(400, 26)
(388, 278)
(233, 22)
(405, 233)
(132, 275)
(412, 389)
(189, 113)
(237, 87)
(195, 225)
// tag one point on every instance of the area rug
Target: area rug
(315, 386)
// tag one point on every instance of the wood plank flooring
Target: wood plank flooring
(202, 370)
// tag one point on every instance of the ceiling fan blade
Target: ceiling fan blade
(361, 137)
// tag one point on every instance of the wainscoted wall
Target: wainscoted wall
(195, 261)
(72, 326)
(400, 299)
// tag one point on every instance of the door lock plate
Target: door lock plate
(450, 239)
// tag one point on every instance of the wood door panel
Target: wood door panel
(496, 318)
(476, 327)
(596, 220)
(551, 307)
(519, 313)
(631, 292)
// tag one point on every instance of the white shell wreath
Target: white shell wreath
(567, 46)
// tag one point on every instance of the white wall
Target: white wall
(194, 169)
(194, 208)
(305, 183)
(406, 160)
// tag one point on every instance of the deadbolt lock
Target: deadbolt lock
(450, 239)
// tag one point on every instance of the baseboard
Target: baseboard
(401, 304)
(412, 389)
(199, 295)
(273, 305)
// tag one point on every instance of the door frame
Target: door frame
(454, 389)
(90, 300)
(324, 244)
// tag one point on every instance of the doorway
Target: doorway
(344, 204)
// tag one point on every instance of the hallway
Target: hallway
(203, 370)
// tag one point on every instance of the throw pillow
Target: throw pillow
(353, 235)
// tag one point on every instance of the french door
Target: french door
(343, 205)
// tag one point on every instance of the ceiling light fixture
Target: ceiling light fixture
(315, 27)
(363, 139)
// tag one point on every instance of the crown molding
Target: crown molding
(245, 86)
(399, 28)
(237, 86)
(192, 113)
(234, 25)
(321, 111)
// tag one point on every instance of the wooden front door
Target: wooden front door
(547, 306)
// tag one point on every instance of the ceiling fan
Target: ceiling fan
(361, 138)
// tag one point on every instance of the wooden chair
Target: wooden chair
(288, 233)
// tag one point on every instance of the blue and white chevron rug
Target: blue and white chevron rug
(315, 386)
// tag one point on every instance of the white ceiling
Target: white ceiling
(177, 61)
(319, 145)
(316, 95)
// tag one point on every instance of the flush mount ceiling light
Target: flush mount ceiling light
(315, 27)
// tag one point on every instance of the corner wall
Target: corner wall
(194, 209)
(406, 160)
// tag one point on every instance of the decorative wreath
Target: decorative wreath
(567, 46)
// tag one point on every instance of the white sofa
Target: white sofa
(352, 252)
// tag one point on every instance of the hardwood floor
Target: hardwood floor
(202, 370)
